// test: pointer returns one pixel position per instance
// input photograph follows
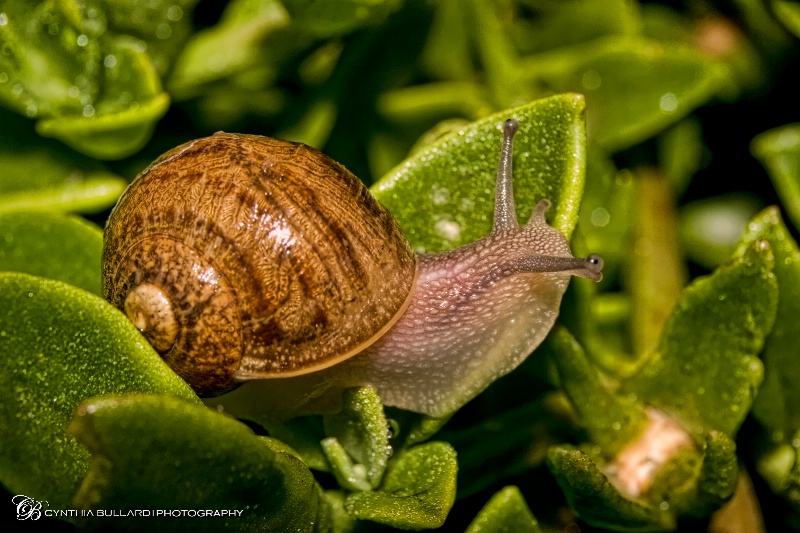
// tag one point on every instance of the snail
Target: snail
(241, 257)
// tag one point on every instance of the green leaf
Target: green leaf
(38, 173)
(87, 194)
(410, 429)
(711, 227)
(338, 17)
(160, 452)
(505, 512)
(112, 135)
(634, 88)
(719, 473)
(510, 443)
(597, 501)
(229, 47)
(497, 54)
(698, 483)
(706, 372)
(788, 13)
(55, 246)
(163, 24)
(304, 434)
(779, 152)
(349, 476)
(417, 492)
(605, 217)
(340, 520)
(657, 269)
(452, 179)
(579, 21)
(610, 420)
(778, 405)
(94, 91)
(361, 428)
(680, 152)
(689, 482)
(61, 345)
(447, 50)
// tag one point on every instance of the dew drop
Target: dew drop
(448, 229)
(174, 13)
(439, 195)
(600, 217)
(88, 111)
(668, 103)
(3, 19)
(591, 80)
(83, 40)
(110, 61)
(164, 31)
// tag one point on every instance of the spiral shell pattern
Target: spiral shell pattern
(243, 257)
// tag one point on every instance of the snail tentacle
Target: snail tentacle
(505, 213)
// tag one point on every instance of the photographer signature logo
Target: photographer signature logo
(27, 507)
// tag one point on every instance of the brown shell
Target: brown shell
(276, 259)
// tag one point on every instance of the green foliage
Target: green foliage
(213, 463)
(61, 345)
(506, 512)
(447, 176)
(634, 122)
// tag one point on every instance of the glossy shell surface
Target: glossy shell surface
(271, 258)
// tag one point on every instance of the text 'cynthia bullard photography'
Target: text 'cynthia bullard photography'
(28, 508)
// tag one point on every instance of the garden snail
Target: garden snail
(242, 258)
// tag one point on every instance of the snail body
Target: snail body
(243, 258)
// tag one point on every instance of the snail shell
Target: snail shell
(240, 255)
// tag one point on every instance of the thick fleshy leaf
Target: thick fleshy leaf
(597, 501)
(60, 346)
(568, 23)
(711, 228)
(680, 152)
(409, 429)
(87, 194)
(93, 90)
(788, 13)
(452, 180)
(55, 246)
(506, 512)
(657, 270)
(510, 443)
(634, 87)
(163, 24)
(447, 50)
(350, 476)
(228, 47)
(417, 492)
(362, 430)
(38, 173)
(610, 420)
(691, 482)
(338, 17)
(605, 217)
(111, 135)
(778, 406)
(161, 452)
(706, 372)
(304, 434)
(779, 151)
